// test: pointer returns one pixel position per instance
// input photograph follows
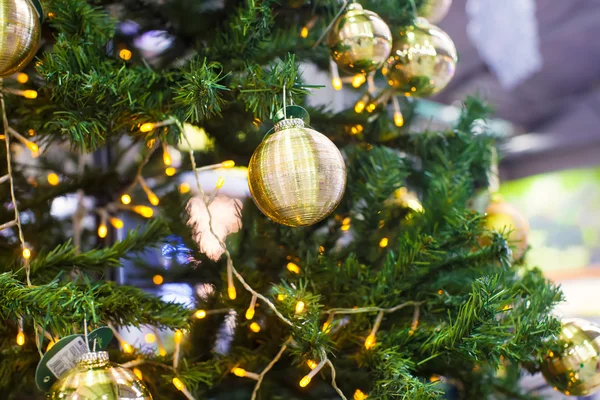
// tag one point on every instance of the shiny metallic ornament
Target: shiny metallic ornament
(296, 176)
(575, 371)
(435, 10)
(503, 217)
(20, 29)
(423, 60)
(95, 378)
(360, 41)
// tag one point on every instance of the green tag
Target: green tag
(293, 112)
(63, 356)
(38, 8)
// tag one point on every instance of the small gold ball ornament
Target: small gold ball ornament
(20, 29)
(576, 370)
(360, 41)
(95, 378)
(423, 60)
(503, 217)
(296, 176)
(435, 10)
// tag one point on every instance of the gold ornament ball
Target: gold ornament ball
(503, 217)
(296, 176)
(575, 370)
(96, 378)
(360, 41)
(423, 60)
(435, 10)
(20, 29)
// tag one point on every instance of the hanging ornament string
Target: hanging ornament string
(341, 10)
(284, 103)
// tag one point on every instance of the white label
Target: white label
(67, 357)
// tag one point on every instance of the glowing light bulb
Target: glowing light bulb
(184, 188)
(53, 179)
(125, 54)
(50, 345)
(250, 313)
(346, 221)
(178, 384)
(299, 307)
(228, 164)
(345, 228)
(359, 107)
(102, 231)
(304, 32)
(26, 253)
(237, 371)
(254, 327)
(383, 242)
(305, 381)
(312, 364)
(20, 338)
(293, 268)
(231, 292)
(370, 341)
(220, 182)
(358, 80)
(398, 119)
(22, 77)
(126, 347)
(162, 352)
(144, 211)
(125, 199)
(138, 374)
(178, 336)
(336, 83)
(116, 222)
(371, 107)
(157, 279)
(200, 314)
(150, 338)
(30, 94)
(359, 395)
(153, 199)
(440, 292)
(167, 157)
(32, 147)
(281, 297)
(147, 127)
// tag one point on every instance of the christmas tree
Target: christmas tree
(402, 292)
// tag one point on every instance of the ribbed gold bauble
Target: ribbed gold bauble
(95, 378)
(423, 60)
(435, 10)
(297, 176)
(575, 370)
(20, 29)
(360, 41)
(503, 217)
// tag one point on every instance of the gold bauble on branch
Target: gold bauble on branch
(423, 60)
(20, 29)
(435, 10)
(95, 378)
(575, 370)
(360, 41)
(296, 176)
(503, 217)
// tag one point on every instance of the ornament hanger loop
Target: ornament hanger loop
(318, 42)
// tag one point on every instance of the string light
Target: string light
(281, 297)
(383, 242)
(178, 384)
(170, 171)
(138, 373)
(254, 327)
(150, 338)
(125, 54)
(102, 231)
(237, 371)
(311, 364)
(304, 32)
(26, 253)
(231, 292)
(346, 221)
(116, 222)
(358, 80)
(299, 307)
(53, 179)
(200, 314)
(359, 106)
(359, 395)
(398, 119)
(30, 94)
(157, 279)
(228, 164)
(126, 347)
(184, 188)
(370, 341)
(327, 323)
(220, 182)
(147, 127)
(51, 344)
(336, 83)
(345, 228)
(153, 198)
(167, 160)
(371, 107)
(125, 199)
(305, 381)
(144, 211)
(22, 77)
(178, 336)
(293, 268)
(250, 310)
